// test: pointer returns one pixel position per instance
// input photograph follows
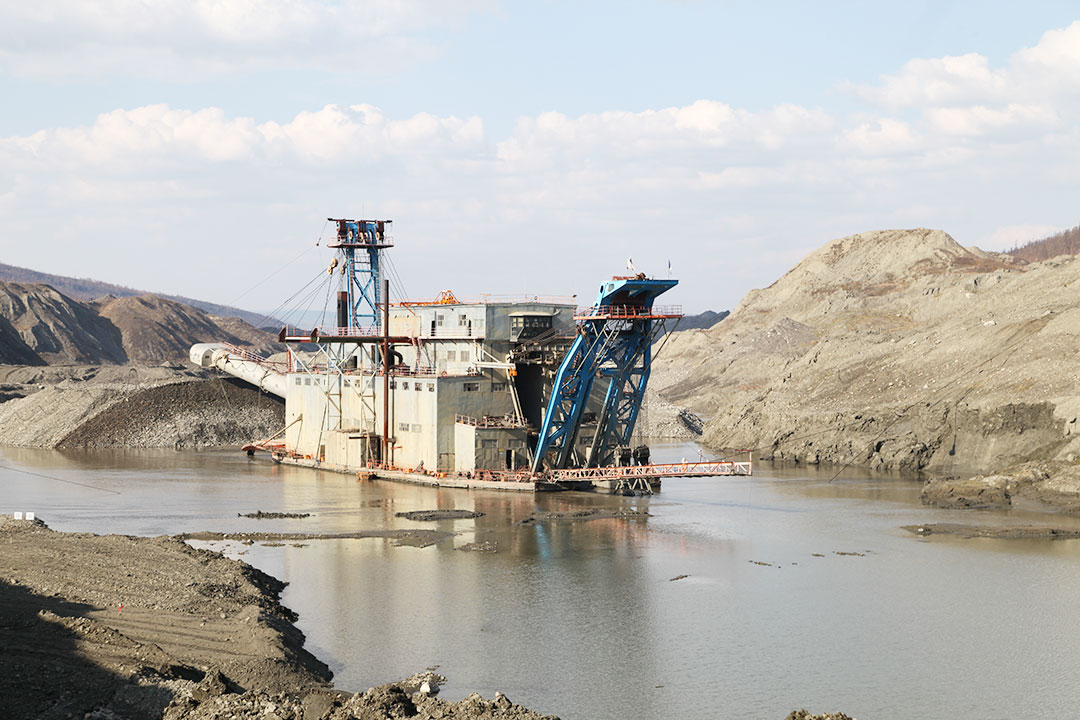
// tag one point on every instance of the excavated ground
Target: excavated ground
(108, 627)
(895, 350)
(131, 407)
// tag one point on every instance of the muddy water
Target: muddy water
(583, 618)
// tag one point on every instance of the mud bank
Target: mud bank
(116, 626)
(413, 538)
(128, 625)
(1049, 485)
(1005, 532)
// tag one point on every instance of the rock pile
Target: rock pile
(895, 349)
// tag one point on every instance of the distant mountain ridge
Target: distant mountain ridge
(39, 325)
(87, 289)
(702, 321)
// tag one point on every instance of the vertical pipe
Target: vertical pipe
(386, 373)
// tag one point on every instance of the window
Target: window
(307, 381)
(403, 427)
(438, 319)
(516, 443)
(470, 387)
(451, 355)
(393, 385)
(405, 385)
(463, 320)
(431, 387)
(585, 440)
(297, 381)
(487, 444)
(498, 387)
(416, 428)
(418, 386)
(348, 382)
(527, 326)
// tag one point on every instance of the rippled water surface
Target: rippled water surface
(583, 618)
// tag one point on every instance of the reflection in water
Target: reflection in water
(582, 618)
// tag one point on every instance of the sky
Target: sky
(196, 147)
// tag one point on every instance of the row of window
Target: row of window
(407, 427)
(490, 443)
(416, 385)
(462, 321)
(323, 382)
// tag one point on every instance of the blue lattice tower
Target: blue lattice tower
(362, 243)
(614, 348)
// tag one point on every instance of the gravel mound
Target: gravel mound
(133, 407)
(895, 349)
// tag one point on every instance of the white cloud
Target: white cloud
(1056, 57)
(1051, 66)
(938, 81)
(882, 136)
(705, 130)
(157, 135)
(982, 120)
(725, 192)
(191, 39)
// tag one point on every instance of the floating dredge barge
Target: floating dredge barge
(513, 394)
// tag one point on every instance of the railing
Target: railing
(516, 476)
(449, 333)
(250, 356)
(698, 469)
(490, 421)
(627, 312)
(413, 372)
(347, 332)
(454, 333)
(490, 299)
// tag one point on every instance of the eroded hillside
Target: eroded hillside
(897, 349)
(39, 325)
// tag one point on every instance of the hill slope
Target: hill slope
(39, 325)
(57, 329)
(155, 329)
(87, 289)
(897, 349)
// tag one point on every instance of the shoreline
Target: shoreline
(113, 626)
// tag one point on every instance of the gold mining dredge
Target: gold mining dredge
(528, 393)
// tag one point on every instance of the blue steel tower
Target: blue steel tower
(613, 347)
(362, 243)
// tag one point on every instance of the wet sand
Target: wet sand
(115, 626)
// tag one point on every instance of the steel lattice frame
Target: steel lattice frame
(364, 273)
(619, 350)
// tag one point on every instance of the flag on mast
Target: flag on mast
(630, 265)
